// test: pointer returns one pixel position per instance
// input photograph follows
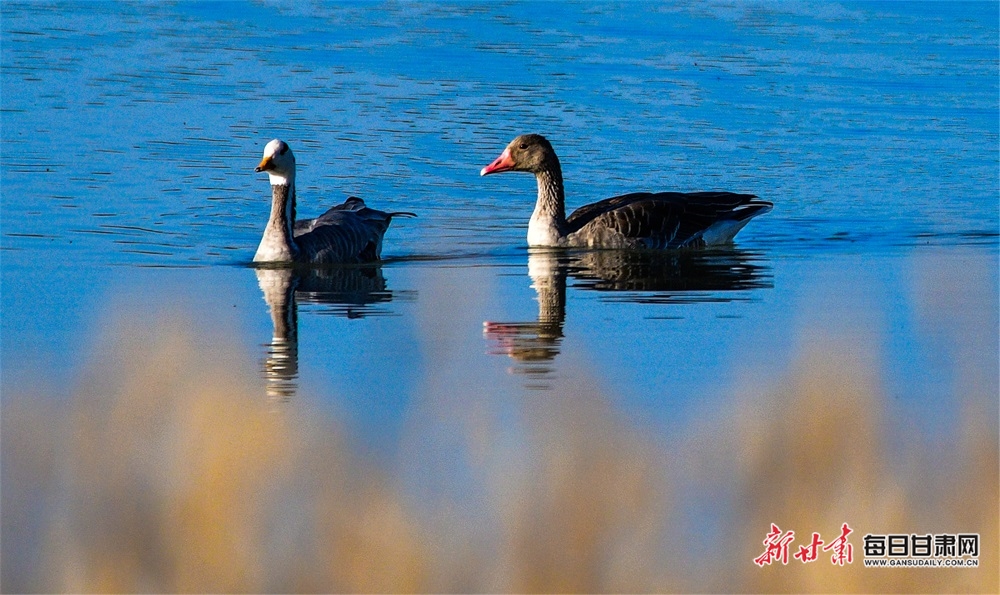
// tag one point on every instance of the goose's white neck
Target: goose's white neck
(547, 226)
(278, 243)
(281, 180)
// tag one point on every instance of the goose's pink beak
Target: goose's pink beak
(502, 163)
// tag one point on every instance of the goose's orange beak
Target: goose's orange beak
(502, 163)
(264, 165)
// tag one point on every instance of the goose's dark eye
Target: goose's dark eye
(283, 149)
(523, 146)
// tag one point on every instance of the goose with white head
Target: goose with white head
(649, 220)
(346, 234)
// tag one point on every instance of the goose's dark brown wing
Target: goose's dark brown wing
(659, 220)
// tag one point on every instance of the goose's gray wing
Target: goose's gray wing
(306, 225)
(347, 233)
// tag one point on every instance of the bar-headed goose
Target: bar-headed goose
(347, 233)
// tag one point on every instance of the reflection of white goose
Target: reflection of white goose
(347, 233)
(352, 292)
(656, 220)
(281, 367)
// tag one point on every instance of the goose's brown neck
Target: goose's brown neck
(548, 222)
(282, 212)
(278, 244)
(551, 196)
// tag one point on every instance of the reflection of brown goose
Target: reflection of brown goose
(347, 291)
(660, 220)
(679, 276)
(347, 233)
(535, 344)
(538, 340)
(642, 277)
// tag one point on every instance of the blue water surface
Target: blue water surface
(130, 133)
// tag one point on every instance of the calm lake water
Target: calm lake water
(130, 208)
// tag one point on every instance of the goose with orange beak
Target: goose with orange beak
(347, 233)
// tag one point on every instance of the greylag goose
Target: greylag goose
(347, 233)
(654, 220)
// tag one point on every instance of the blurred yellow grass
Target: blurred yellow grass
(818, 457)
(169, 471)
